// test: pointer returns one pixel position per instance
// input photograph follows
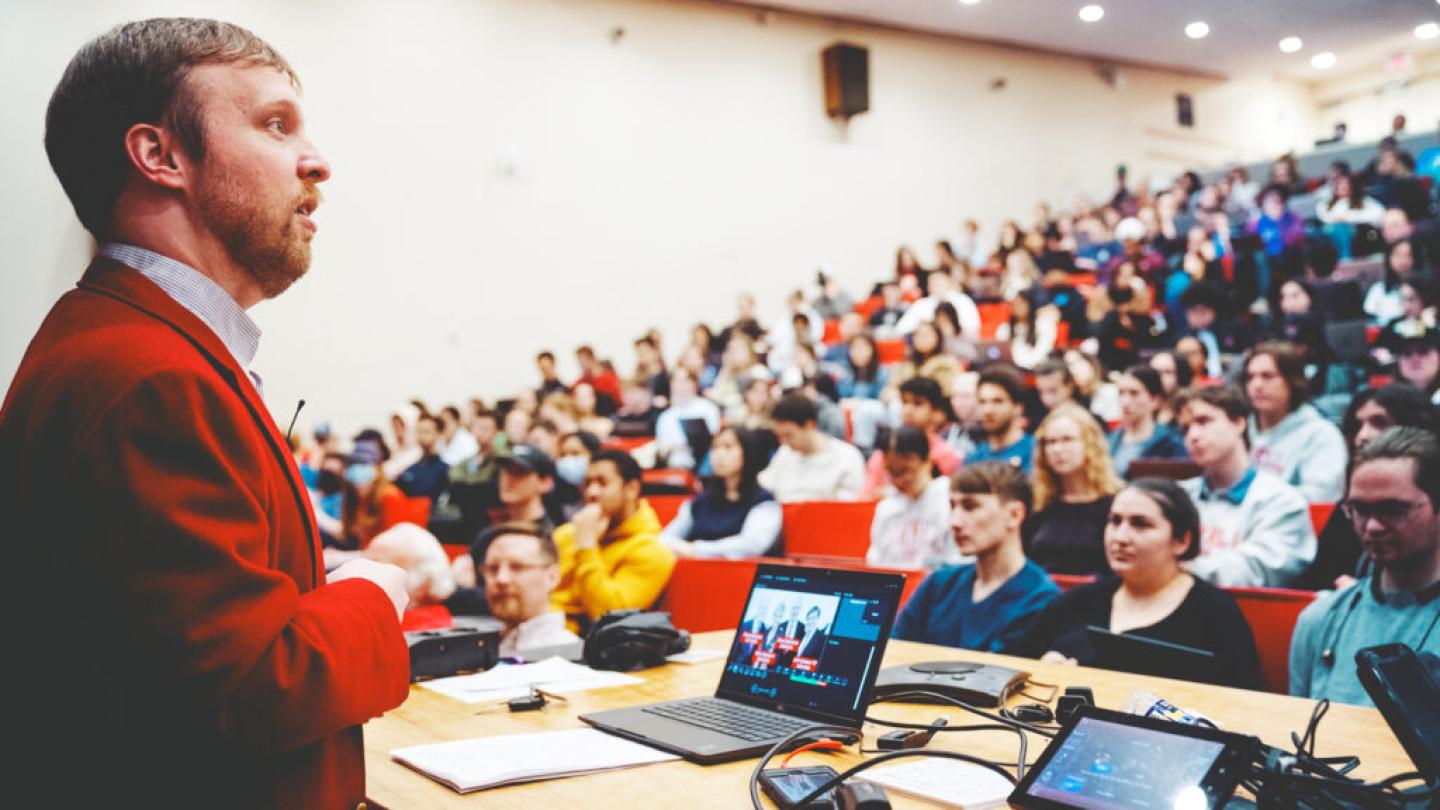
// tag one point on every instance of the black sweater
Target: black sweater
(1208, 619)
(1069, 538)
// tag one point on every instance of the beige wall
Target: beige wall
(507, 178)
(1368, 99)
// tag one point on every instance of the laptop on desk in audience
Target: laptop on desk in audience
(1148, 656)
(807, 653)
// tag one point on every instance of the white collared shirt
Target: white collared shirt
(199, 294)
(545, 630)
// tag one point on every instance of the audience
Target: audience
(924, 406)
(1256, 528)
(941, 290)
(672, 443)
(521, 570)
(372, 503)
(430, 475)
(734, 517)
(1394, 504)
(911, 527)
(989, 604)
(1074, 484)
(611, 557)
(1371, 412)
(1288, 437)
(1140, 435)
(1151, 531)
(809, 465)
(1001, 397)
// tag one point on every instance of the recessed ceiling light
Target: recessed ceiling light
(1323, 61)
(1293, 44)
(1428, 30)
(1197, 30)
(969, 2)
(1093, 13)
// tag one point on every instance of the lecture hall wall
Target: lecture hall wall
(511, 175)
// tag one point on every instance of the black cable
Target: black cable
(999, 718)
(808, 731)
(836, 780)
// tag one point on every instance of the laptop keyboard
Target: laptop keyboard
(732, 719)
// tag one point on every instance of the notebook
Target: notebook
(807, 652)
(485, 762)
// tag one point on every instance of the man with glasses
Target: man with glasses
(521, 568)
(1394, 504)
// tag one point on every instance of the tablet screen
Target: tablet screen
(1106, 765)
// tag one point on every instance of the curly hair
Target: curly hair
(1099, 472)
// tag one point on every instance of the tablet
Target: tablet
(1143, 655)
(1105, 759)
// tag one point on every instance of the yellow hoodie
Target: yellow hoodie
(629, 570)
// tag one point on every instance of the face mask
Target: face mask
(360, 474)
(330, 482)
(571, 469)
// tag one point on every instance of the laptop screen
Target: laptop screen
(811, 639)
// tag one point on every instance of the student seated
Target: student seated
(734, 517)
(430, 476)
(1257, 529)
(988, 604)
(923, 405)
(1142, 396)
(911, 527)
(371, 503)
(1074, 484)
(611, 556)
(1288, 437)
(1152, 529)
(1394, 504)
(1001, 395)
(521, 569)
(810, 466)
(1371, 412)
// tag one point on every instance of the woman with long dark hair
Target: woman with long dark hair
(734, 516)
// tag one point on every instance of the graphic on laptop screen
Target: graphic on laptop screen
(808, 643)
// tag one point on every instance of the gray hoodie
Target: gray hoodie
(1305, 451)
(1256, 534)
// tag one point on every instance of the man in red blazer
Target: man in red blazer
(172, 637)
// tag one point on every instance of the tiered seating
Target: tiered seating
(834, 529)
(1272, 613)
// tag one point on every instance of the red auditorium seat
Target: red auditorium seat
(832, 333)
(666, 506)
(417, 511)
(839, 529)
(1271, 613)
(627, 443)
(1068, 581)
(890, 351)
(668, 480)
(453, 550)
(992, 314)
(429, 617)
(1320, 515)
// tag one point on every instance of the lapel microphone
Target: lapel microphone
(291, 430)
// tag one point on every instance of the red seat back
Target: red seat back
(992, 314)
(666, 506)
(1271, 613)
(828, 528)
(890, 351)
(683, 479)
(1068, 581)
(627, 443)
(453, 550)
(417, 511)
(832, 333)
(429, 617)
(1320, 515)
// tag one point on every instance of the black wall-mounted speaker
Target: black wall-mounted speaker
(847, 79)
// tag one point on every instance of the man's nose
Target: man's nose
(314, 168)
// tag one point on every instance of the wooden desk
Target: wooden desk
(429, 717)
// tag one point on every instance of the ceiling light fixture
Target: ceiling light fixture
(1428, 30)
(1093, 13)
(1291, 44)
(969, 2)
(1323, 61)
(1197, 30)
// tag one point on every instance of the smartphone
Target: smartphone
(1408, 697)
(786, 786)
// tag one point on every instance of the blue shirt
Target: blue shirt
(1018, 453)
(943, 609)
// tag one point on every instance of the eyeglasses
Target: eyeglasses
(1055, 441)
(494, 569)
(1388, 512)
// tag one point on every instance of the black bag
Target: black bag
(627, 640)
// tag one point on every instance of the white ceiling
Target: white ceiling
(1243, 39)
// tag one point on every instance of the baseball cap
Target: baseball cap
(1412, 333)
(529, 457)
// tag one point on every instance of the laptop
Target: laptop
(1149, 656)
(1349, 341)
(807, 653)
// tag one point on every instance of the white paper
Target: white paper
(507, 681)
(694, 656)
(483, 762)
(948, 781)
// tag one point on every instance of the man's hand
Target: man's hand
(392, 579)
(590, 525)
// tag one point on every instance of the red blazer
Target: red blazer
(170, 639)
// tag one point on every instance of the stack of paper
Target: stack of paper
(948, 781)
(485, 762)
(514, 680)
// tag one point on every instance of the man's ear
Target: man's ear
(152, 151)
(548, 485)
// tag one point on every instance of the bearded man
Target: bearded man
(182, 644)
